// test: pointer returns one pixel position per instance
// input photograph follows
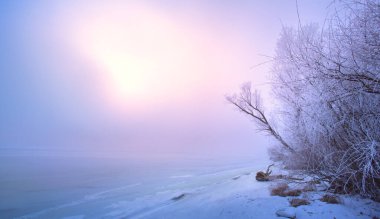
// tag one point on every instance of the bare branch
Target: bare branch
(249, 103)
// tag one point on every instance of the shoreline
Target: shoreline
(230, 194)
(244, 197)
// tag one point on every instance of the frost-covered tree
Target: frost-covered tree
(328, 83)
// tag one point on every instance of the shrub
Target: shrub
(327, 82)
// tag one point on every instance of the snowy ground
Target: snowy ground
(237, 197)
(243, 197)
(225, 193)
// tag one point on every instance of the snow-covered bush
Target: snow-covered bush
(328, 83)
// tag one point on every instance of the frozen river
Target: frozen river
(95, 187)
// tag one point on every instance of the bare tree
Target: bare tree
(330, 89)
(250, 103)
(328, 83)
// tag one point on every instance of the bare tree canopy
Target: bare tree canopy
(327, 81)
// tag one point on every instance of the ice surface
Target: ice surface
(205, 189)
(59, 187)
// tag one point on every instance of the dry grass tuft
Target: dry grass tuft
(279, 189)
(283, 191)
(261, 176)
(331, 199)
(298, 201)
(294, 192)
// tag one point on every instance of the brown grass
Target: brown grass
(294, 192)
(279, 189)
(283, 191)
(261, 176)
(298, 201)
(331, 199)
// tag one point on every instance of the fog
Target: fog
(135, 77)
(112, 105)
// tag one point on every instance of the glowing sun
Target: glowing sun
(142, 54)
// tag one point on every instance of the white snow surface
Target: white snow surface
(246, 198)
(228, 194)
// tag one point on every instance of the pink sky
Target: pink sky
(140, 76)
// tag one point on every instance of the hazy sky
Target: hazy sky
(136, 76)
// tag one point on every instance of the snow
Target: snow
(242, 198)
(247, 198)
(226, 194)
(287, 212)
(74, 217)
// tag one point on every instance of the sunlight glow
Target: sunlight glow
(146, 58)
(143, 54)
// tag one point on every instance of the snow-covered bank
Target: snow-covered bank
(243, 197)
(237, 197)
